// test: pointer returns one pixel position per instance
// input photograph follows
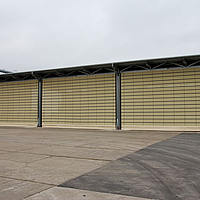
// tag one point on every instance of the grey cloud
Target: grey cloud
(44, 34)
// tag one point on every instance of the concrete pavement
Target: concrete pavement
(168, 170)
(34, 161)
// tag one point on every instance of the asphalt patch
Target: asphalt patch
(166, 170)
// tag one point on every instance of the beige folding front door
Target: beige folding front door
(161, 98)
(84, 100)
(18, 102)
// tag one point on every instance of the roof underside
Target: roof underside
(116, 67)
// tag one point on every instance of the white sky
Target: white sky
(43, 34)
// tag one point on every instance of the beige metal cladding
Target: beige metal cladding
(161, 98)
(18, 102)
(85, 100)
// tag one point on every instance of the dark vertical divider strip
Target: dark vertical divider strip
(118, 100)
(39, 103)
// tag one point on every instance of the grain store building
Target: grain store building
(145, 93)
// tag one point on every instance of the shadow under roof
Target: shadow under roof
(114, 67)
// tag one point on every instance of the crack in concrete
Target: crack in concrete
(37, 193)
(17, 179)
(94, 159)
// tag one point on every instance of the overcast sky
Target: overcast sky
(44, 34)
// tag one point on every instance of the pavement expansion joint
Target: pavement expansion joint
(105, 148)
(59, 156)
(31, 181)
(37, 193)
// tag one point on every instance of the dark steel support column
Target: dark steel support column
(118, 100)
(39, 103)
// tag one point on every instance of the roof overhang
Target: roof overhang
(115, 67)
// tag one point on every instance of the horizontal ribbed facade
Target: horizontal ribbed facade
(18, 102)
(86, 100)
(161, 98)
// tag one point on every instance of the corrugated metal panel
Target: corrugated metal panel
(18, 102)
(161, 98)
(86, 100)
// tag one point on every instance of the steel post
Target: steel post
(118, 100)
(39, 103)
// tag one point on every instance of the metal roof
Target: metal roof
(114, 67)
(4, 71)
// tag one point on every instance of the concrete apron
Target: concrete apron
(34, 161)
(166, 170)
